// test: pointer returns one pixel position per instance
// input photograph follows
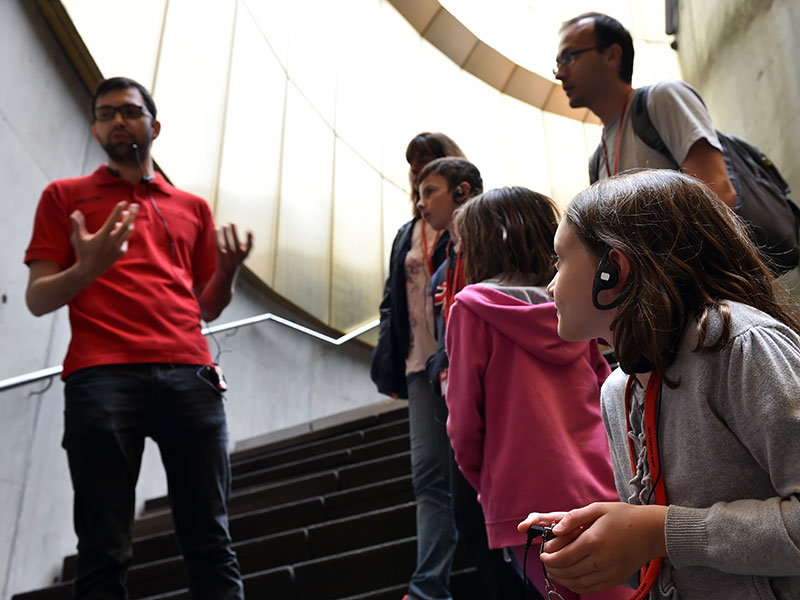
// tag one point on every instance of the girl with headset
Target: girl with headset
(524, 412)
(703, 415)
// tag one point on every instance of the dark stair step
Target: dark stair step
(299, 544)
(465, 584)
(261, 497)
(283, 549)
(327, 432)
(270, 521)
(285, 517)
(335, 505)
(251, 499)
(60, 591)
(358, 571)
(308, 515)
(365, 529)
(356, 454)
(369, 448)
(318, 447)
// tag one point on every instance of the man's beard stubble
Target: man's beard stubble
(121, 152)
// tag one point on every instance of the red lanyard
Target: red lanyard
(619, 139)
(429, 254)
(455, 282)
(649, 572)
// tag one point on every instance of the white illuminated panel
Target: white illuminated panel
(569, 173)
(302, 271)
(358, 85)
(272, 19)
(123, 36)
(356, 282)
(191, 89)
(525, 148)
(401, 93)
(251, 152)
(313, 54)
(396, 211)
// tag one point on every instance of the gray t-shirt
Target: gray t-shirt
(679, 117)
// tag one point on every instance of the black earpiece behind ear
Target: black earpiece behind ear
(458, 195)
(605, 278)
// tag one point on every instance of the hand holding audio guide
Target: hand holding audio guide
(602, 544)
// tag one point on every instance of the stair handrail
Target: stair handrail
(12, 382)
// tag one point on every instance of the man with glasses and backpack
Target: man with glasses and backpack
(667, 126)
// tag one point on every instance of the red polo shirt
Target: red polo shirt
(142, 309)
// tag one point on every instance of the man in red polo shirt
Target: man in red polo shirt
(139, 264)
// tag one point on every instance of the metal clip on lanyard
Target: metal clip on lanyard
(549, 587)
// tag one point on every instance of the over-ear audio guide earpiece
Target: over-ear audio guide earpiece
(458, 195)
(605, 278)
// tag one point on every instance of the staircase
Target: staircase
(325, 514)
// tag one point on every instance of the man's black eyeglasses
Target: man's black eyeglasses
(128, 111)
(567, 58)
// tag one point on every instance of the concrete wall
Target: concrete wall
(742, 56)
(279, 378)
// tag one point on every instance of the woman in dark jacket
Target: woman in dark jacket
(405, 341)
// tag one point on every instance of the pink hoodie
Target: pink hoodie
(524, 411)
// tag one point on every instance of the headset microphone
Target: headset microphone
(145, 178)
(605, 278)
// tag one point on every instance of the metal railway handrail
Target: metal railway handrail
(12, 382)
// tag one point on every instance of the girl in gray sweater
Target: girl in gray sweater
(703, 415)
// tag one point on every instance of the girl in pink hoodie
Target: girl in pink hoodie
(524, 407)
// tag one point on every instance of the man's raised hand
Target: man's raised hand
(230, 251)
(96, 252)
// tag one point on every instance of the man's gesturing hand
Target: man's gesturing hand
(96, 252)
(230, 251)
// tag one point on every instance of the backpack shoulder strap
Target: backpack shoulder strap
(643, 127)
(594, 164)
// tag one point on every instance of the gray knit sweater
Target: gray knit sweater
(729, 443)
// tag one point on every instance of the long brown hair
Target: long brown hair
(508, 232)
(689, 253)
(432, 145)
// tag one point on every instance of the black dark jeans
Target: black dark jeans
(108, 413)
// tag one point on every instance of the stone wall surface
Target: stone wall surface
(742, 55)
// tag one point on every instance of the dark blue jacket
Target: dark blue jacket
(388, 369)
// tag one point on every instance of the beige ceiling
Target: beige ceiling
(463, 47)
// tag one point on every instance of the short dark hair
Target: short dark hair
(508, 232)
(121, 83)
(607, 32)
(455, 170)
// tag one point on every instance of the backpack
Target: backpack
(761, 192)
